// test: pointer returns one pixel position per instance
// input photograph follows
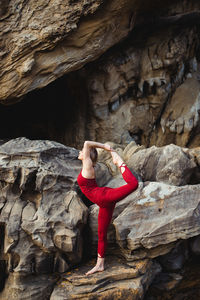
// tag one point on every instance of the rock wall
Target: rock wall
(45, 40)
(136, 71)
(41, 214)
(47, 232)
(147, 89)
(130, 75)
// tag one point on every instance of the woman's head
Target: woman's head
(93, 155)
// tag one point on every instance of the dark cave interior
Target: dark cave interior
(52, 112)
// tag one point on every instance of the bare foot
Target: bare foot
(95, 269)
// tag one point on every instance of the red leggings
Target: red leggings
(110, 197)
(106, 199)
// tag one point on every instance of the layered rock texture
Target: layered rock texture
(124, 71)
(135, 70)
(41, 214)
(47, 232)
(148, 89)
(41, 41)
(131, 283)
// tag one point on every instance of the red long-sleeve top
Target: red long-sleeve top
(106, 198)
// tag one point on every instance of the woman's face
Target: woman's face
(80, 156)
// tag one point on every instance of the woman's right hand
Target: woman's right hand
(117, 160)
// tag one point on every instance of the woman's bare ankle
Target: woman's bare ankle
(100, 261)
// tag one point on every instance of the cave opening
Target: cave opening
(56, 112)
(3, 262)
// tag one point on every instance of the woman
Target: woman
(104, 197)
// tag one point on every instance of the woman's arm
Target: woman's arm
(90, 144)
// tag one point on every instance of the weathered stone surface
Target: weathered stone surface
(144, 91)
(169, 164)
(130, 149)
(41, 41)
(194, 153)
(28, 287)
(161, 215)
(42, 219)
(131, 87)
(125, 91)
(41, 211)
(181, 116)
(119, 281)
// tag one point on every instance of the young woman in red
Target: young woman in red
(104, 197)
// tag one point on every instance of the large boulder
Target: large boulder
(150, 221)
(162, 215)
(169, 164)
(42, 215)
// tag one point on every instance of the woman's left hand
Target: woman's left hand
(107, 147)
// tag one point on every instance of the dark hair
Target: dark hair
(93, 155)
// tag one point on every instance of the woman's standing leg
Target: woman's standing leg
(104, 219)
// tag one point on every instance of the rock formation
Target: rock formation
(138, 91)
(130, 283)
(44, 223)
(42, 215)
(122, 71)
(170, 164)
(42, 41)
(135, 70)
